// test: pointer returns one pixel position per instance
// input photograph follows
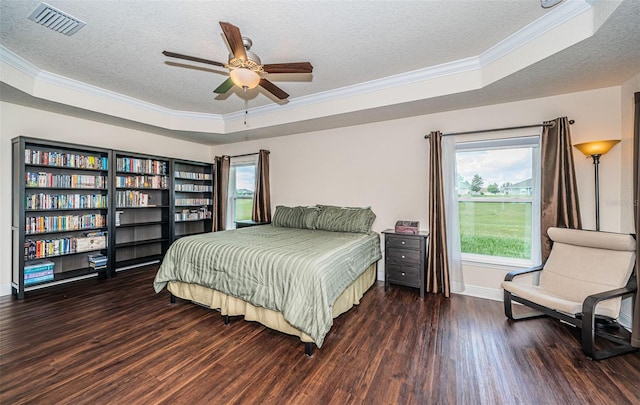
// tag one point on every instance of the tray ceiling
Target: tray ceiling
(372, 59)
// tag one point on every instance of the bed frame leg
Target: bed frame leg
(308, 349)
(226, 319)
(172, 299)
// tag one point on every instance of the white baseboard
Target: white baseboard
(482, 292)
(5, 290)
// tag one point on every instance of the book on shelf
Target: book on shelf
(65, 159)
(39, 271)
(131, 198)
(97, 261)
(118, 213)
(192, 175)
(38, 249)
(135, 165)
(50, 180)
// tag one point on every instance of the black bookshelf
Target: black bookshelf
(141, 202)
(192, 202)
(60, 213)
(81, 211)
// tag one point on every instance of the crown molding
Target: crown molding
(57, 80)
(556, 17)
(38, 75)
(18, 63)
(445, 69)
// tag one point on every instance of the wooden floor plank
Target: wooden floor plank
(115, 341)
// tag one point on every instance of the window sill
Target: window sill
(499, 263)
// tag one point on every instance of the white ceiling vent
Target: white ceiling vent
(55, 19)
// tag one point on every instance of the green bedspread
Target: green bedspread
(298, 272)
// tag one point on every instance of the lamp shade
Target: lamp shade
(596, 147)
(245, 78)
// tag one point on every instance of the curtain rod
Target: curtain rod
(247, 154)
(479, 131)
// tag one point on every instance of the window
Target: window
(498, 200)
(242, 185)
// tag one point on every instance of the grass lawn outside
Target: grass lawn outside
(244, 206)
(495, 228)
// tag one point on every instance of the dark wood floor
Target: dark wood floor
(117, 342)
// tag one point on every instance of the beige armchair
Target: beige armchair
(582, 283)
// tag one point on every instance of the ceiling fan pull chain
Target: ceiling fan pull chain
(246, 110)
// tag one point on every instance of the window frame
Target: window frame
(509, 142)
(232, 197)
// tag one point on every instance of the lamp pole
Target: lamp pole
(596, 162)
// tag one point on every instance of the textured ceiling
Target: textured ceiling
(348, 42)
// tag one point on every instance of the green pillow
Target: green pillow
(295, 217)
(345, 219)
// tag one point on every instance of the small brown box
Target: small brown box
(410, 227)
(91, 243)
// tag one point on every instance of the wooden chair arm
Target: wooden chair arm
(515, 273)
(589, 304)
(588, 325)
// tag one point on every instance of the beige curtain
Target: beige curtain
(437, 264)
(558, 192)
(262, 197)
(635, 332)
(220, 190)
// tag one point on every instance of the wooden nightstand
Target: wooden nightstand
(405, 259)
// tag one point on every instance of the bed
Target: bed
(295, 275)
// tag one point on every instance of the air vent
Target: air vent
(55, 19)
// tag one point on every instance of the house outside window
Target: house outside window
(498, 200)
(242, 185)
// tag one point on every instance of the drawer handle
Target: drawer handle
(403, 274)
(403, 256)
(402, 242)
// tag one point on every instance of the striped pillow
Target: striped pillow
(295, 217)
(345, 219)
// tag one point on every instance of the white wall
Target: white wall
(384, 165)
(18, 120)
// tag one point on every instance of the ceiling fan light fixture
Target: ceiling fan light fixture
(245, 78)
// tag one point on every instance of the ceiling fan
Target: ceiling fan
(245, 68)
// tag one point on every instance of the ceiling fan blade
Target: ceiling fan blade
(224, 87)
(293, 67)
(192, 58)
(273, 89)
(234, 39)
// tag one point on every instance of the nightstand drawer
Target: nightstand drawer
(402, 242)
(404, 257)
(409, 276)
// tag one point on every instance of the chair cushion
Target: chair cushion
(534, 293)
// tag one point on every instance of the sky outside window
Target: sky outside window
(246, 178)
(495, 166)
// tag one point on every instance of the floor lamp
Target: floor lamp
(594, 150)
